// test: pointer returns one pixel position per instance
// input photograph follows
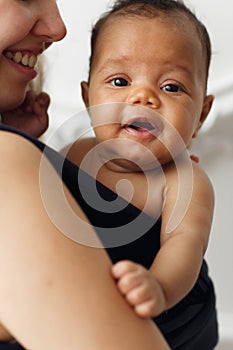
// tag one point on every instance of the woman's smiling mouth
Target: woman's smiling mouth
(26, 60)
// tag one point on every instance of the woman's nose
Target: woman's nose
(144, 96)
(49, 24)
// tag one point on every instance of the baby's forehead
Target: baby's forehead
(178, 22)
(179, 27)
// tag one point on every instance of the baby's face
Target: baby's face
(150, 62)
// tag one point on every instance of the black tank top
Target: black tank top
(183, 323)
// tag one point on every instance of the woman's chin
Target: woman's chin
(12, 103)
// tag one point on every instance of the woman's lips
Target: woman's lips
(22, 62)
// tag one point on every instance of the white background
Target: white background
(67, 66)
(68, 60)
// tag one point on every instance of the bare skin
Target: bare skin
(30, 117)
(168, 78)
(48, 280)
(45, 275)
(40, 25)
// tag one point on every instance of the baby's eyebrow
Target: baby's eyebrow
(171, 66)
(183, 68)
(114, 63)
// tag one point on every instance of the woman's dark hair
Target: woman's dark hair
(151, 8)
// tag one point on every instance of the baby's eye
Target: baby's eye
(119, 82)
(171, 88)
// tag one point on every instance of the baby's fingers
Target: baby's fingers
(129, 282)
(129, 275)
(144, 304)
(123, 267)
(139, 294)
(146, 309)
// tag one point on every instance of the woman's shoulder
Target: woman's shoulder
(12, 141)
(17, 136)
(17, 148)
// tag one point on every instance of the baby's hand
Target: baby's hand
(140, 288)
(32, 116)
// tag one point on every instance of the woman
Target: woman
(52, 294)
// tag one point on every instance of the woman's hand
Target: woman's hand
(32, 116)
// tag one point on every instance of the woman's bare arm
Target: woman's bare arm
(56, 293)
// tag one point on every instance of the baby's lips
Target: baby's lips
(136, 112)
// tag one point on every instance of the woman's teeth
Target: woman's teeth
(26, 60)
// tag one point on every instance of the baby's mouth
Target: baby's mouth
(26, 60)
(140, 126)
(141, 122)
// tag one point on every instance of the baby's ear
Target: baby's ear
(208, 101)
(85, 93)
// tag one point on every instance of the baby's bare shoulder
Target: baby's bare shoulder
(78, 149)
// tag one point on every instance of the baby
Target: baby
(146, 96)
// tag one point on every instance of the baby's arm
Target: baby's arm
(177, 264)
(32, 116)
